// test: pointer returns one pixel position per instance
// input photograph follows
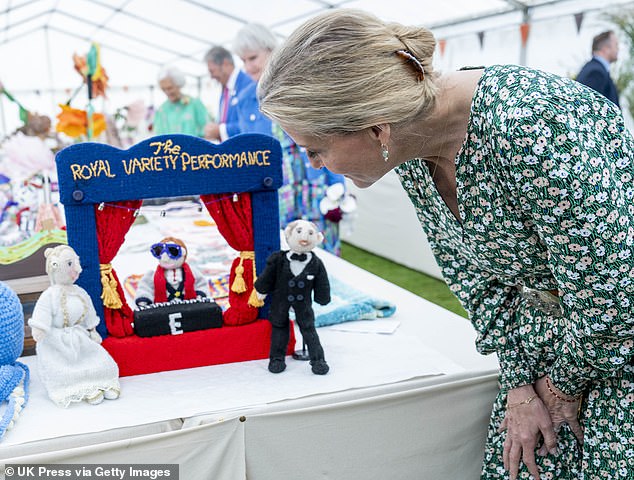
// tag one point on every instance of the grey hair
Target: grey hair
(174, 74)
(218, 54)
(254, 37)
(340, 73)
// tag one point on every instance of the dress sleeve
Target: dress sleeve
(42, 316)
(492, 308)
(92, 319)
(145, 290)
(201, 284)
(579, 195)
(159, 125)
(201, 116)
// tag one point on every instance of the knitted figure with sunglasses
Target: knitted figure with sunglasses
(174, 279)
(292, 278)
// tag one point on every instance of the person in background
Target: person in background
(303, 186)
(596, 73)
(523, 182)
(233, 81)
(179, 113)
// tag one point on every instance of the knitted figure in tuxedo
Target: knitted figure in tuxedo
(294, 278)
(173, 279)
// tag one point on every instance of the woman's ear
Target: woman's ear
(381, 132)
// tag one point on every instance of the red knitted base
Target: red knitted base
(137, 355)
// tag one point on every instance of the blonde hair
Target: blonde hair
(341, 72)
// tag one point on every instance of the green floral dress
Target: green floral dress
(546, 201)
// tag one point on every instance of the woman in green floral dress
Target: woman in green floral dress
(523, 182)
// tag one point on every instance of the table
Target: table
(384, 410)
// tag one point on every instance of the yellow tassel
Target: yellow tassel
(254, 300)
(109, 294)
(239, 285)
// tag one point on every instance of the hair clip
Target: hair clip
(418, 66)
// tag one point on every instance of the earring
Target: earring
(385, 152)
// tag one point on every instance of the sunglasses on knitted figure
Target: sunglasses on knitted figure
(173, 250)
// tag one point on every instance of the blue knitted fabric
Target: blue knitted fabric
(348, 304)
(12, 373)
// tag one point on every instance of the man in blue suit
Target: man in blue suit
(596, 73)
(233, 81)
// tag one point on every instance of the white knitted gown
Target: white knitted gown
(70, 363)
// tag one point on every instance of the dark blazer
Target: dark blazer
(594, 75)
(287, 290)
(242, 82)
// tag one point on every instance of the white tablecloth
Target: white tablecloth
(410, 404)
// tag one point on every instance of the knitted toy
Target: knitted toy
(293, 277)
(14, 376)
(71, 362)
(173, 279)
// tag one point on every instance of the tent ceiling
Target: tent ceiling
(137, 37)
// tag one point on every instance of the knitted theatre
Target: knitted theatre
(102, 187)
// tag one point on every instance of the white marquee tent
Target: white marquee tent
(138, 37)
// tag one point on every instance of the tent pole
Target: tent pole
(523, 45)
(50, 67)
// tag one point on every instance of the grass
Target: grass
(429, 288)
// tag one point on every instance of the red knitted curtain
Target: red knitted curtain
(113, 222)
(234, 218)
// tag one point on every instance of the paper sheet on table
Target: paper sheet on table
(379, 325)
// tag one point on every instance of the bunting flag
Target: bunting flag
(578, 21)
(24, 113)
(524, 31)
(481, 39)
(442, 43)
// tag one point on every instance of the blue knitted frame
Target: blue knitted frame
(166, 166)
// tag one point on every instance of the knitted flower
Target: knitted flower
(14, 376)
(337, 203)
(74, 122)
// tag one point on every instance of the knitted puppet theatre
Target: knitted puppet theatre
(14, 375)
(102, 188)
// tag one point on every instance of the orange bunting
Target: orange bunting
(524, 30)
(442, 43)
(99, 82)
(74, 122)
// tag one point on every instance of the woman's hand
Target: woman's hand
(526, 420)
(561, 407)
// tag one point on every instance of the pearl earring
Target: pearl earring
(385, 152)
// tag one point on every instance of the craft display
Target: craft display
(102, 188)
(294, 278)
(14, 375)
(72, 364)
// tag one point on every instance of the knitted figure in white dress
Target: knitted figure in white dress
(71, 362)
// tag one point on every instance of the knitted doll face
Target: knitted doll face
(62, 265)
(302, 236)
(170, 252)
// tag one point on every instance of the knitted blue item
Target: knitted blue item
(14, 376)
(348, 304)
